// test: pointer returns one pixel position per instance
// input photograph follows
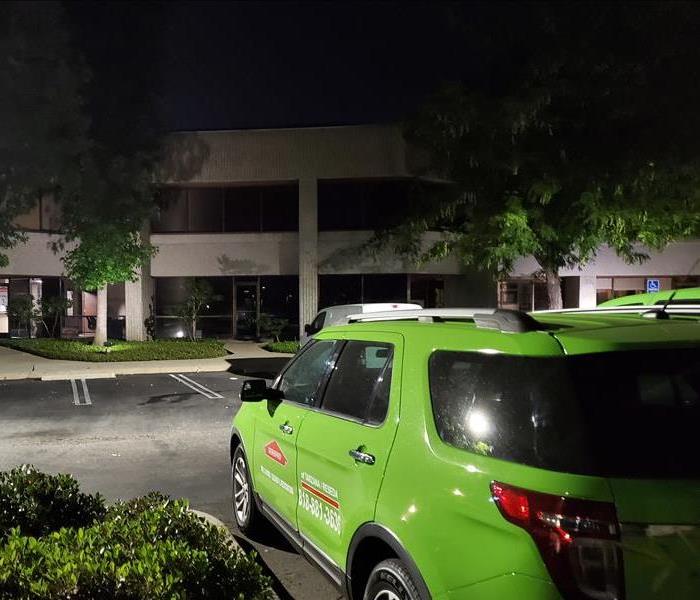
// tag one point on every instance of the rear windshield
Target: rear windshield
(622, 414)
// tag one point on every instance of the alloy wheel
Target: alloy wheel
(241, 491)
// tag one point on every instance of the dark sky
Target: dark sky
(230, 65)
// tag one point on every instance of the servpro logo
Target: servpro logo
(273, 451)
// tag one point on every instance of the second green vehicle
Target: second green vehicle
(484, 455)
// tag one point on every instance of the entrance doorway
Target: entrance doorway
(247, 309)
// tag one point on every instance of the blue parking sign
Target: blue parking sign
(653, 285)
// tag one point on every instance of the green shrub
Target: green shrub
(119, 350)
(38, 503)
(150, 547)
(272, 326)
(288, 347)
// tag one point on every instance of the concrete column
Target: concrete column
(101, 331)
(308, 251)
(587, 292)
(137, 296)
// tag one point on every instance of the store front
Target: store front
(235, 306)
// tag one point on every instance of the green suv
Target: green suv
(484, 455)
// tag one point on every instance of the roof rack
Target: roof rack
(511, 321)
(646, 310)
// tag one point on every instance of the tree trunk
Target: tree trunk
(554, 299)
(101, 326)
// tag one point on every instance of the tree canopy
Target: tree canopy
(578, 128)
(42, 118)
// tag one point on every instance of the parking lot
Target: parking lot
(132, 434)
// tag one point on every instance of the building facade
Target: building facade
(276, 221)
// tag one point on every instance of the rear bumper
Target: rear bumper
(512, 585)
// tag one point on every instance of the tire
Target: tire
(245, 511)
(390, 580)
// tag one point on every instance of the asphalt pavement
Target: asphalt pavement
(128, 435)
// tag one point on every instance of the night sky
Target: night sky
(269, 64)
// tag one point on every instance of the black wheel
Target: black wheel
(390, 580)
(244, 508)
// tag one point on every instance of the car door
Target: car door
(343, 447)
(278, 424)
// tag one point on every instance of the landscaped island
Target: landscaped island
(118, 351)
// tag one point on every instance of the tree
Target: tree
(21, 309)
(272, 326)
(199, 294)
(44, 128)
(579, 128)
(104, 217)
(52, 308)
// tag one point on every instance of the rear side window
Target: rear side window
(507, 407)
(618, 414)
(361, 381)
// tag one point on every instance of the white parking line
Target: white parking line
(85, 392)
(76, 393)
(197, 387)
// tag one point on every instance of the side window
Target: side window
(301, 379)
(361, 381)
(514, 408)
(317, 323)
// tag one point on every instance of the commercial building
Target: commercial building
(275, 220)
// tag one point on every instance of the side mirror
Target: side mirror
(255, 390)
(307, 329)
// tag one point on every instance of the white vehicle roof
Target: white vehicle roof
(372, 307)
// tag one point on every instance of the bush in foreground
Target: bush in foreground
(150, 547)
(37, 503)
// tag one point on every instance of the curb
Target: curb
(212, 520)
(66, 376)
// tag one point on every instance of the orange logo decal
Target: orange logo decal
(273, 451)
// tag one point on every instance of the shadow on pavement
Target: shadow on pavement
(263, 368)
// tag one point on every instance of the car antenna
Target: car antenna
(662, 314)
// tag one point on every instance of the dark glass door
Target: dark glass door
(246, 310)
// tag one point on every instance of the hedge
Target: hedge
(151, 547)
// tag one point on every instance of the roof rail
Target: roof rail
(512, 321)
(675, 309)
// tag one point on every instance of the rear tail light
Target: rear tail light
(578, 540)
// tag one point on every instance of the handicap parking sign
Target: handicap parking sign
(653, 285)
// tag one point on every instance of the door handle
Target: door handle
(286, 428)
(362, 457)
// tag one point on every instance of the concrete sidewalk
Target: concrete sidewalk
(21, 365)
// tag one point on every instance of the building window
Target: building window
(361, 205)
(274, 295)
(523, 294)
(44, 216)
(205, 209)
(428, 291)
(347, 205)
(243, 209)
(360, 289)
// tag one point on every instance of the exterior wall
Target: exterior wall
(680, 258)
(205, 254)
(339, 252)
(211, 254)
(34, 258)
(267, 155)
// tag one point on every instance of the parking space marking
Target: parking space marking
(197, 387)
(76, 393)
